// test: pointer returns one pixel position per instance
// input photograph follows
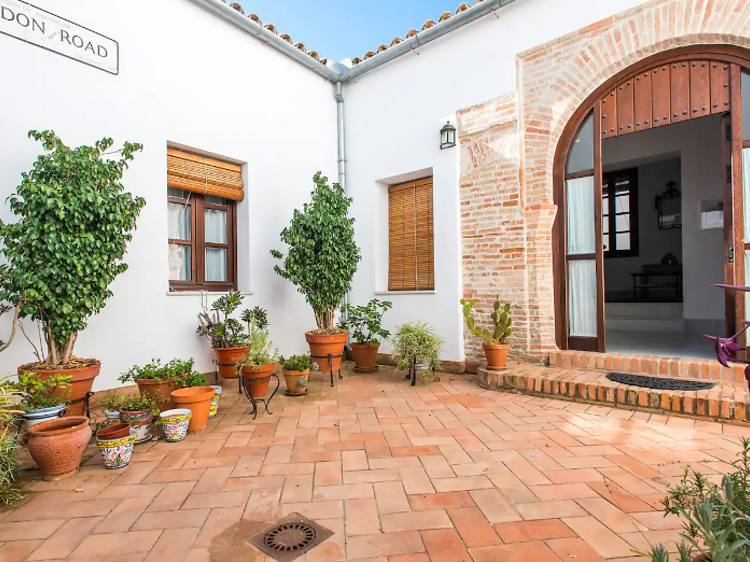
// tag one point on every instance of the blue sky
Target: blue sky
(347, 28)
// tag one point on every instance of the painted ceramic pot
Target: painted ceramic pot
(113, 417)
(116, 452)
(215, 402)
(141, 422)
(175, 424)
(33, 417)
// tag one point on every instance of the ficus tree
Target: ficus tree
(322, 256)
(75, 220)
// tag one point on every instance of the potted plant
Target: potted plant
(296, 369)
(44, 398)
(110, 405)
(175, 423)
(194, 396)
(416, 346)
(139, 412)
(365, 325)
(321, 261)
(156, 379)
(116, 448)
(74, 223)
(10, 400)
(495, 346)
(57, 445)
(258, 364)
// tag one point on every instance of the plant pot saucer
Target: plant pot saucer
(295, 393)
(365, 369)
(495, 368)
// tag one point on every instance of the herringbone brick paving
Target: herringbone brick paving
(445, 473)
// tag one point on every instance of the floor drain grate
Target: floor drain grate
(658, 383)
(290, 538)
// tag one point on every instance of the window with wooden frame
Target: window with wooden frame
(202, 221)
(620, 213)
(411, 247)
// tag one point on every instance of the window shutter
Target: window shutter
(411, 261)
(203, 175)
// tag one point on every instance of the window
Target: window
(620, 213)
(202, 196)
(411, 252)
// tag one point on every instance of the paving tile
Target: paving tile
(474, 529)
(615, 519)
(362, 517)
(65, 539)
(577, 549)
(220, 528)
(416, 481)
(173, 545)
(574, 475)
(171, 519)
(526, 531)
(172, 496)
(122, 517)
(549, 510)
(216, 499)
(110, 544)
(605, 542)
(390, 497)
(563, 492)
(520, 552)
(28, 530)
(262, 506)
(415, 521)
(494, 506)
(462, 483)
(386, 544)
(445, 545)
(17, 551)
(343, 492)
(447, 500)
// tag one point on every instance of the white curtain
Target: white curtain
(216, 264)
(179, 263)
(216, 226)
(178, 221)
(582, 298)
(581, 232)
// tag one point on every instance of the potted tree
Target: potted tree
(44, 399)
(258, 363)
(156, 379)
(495, 340)
(296, 369)
(321, 261)
(365, 325)
(228, 337)
(416, 346)
(74, 223)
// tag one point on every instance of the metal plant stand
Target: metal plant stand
(255, 401)
(330, 358)
(216, 372)
(412, 374)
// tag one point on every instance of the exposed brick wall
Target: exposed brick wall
(508, 146)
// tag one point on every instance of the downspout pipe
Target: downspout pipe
(223, 10)
(341, 141)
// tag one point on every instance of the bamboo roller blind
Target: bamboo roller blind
(411, 250)
(203, 175)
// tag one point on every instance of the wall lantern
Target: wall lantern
(447, 136)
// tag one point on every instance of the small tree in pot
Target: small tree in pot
(495, 340)
(75, 221)
(259, 363)
(415, 345)
(365, 325)
(321, 261)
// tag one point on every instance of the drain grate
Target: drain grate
(290, 538)
(658, 383)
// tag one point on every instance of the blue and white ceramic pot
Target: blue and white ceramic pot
(215, 401)
(113, 417)
(175, 424)
(33, 417)
(116, 452)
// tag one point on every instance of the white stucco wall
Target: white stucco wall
(189, 77)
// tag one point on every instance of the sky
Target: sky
(341, 29)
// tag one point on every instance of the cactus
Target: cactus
(501, 321)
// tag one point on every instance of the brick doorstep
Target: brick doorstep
(725, 402)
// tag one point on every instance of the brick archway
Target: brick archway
(509, 144)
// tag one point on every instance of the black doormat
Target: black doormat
(659, 383)
(290, 538)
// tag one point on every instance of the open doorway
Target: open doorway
(662, 206)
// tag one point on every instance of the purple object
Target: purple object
(727, 348)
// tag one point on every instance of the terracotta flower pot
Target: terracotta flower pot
(256, 379)
(323, 345)
(294, 382)
(83, 380)
(57, 446)
(154, 388)
(197, 399)
(117, 431)
(496, 355)
(228, 359)
(365, 357)
(140, 421)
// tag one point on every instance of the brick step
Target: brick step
(727, 402)
(672, 367)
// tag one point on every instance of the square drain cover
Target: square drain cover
(290, 538)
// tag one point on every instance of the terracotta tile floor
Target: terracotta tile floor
(443, 473)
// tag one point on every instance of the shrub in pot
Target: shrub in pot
(495, 339)
(364, 323)
(57, 445)
(139, 412)
(10, 400)
(74, 223)
(321, 260)
(44, 398)
(415, 345)
(296, 370)
(258, 364)
(155, 379)
(228, 337)
(110, 405)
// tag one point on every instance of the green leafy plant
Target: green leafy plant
(8, 447)
(112, 402)
(219, 327)
(40, 393)
(416, 342)
(193, 378)
(298, 363)
(136, 403)
(501, 322)
(261, 350)
(68, 245)
(257, 317)
(716, 518)
(175, 369)
(322, 256)
(365, 322)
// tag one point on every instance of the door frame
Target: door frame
(736, 56)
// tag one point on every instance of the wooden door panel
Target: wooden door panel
(719, 87)
(679, 93)
(625, 108)
(642, 96)
(700, 88)
(609, 115)
(662, 98)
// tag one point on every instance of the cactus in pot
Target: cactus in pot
(495, 339)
